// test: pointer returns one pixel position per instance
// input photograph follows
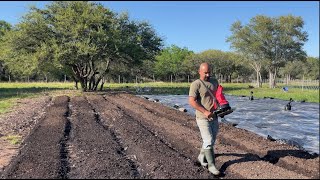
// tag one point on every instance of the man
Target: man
(207, 121)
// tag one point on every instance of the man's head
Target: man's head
(204, 71)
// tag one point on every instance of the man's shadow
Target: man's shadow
(272, 156)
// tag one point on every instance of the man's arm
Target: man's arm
(193, 102)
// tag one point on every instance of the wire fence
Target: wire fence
(296, 83)
(280, 83)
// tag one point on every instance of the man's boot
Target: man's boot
(202, 158)
(209, 154)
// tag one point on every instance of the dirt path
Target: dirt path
(124, 136)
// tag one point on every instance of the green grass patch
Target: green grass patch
(297, 94)
(11, 92)
(13, 139)
(21, 90)
(5, 105)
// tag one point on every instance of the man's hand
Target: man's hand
(208, 114)
(194, 104)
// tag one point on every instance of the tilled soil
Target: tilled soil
(120, 135)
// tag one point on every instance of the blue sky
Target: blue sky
(197, 25)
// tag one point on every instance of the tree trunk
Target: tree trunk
(272, 79)
(76, 84)
(256, 66)
(102, 83)
(260, 80)
(97, 83)
(287, 79)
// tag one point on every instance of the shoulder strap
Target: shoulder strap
(214, 98)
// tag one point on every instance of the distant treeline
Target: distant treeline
(88, 43)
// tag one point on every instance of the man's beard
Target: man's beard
(207, 78)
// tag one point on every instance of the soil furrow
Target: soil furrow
(173, 129)
(120, 135)
(154, 157)
(159, 126)
(132, 164)
(282, 155)
(93, 151)
(184, 139)
(39, 156)
(64, 152)
(20, 121)
(158, 109)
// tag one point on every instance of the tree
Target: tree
(222, 63)
(274, 41)
(246, 43)
(313, 64)
(290, 70)
(4, 28)
(83, 38)
(241, 71)
(170, 60)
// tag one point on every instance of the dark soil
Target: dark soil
(120, 135)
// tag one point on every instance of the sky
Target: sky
(196, 25)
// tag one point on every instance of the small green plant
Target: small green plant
(13, 139)
(5, 105)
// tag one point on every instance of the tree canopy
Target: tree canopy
(270, 42)
(83, 37)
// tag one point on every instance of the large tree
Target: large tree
(84, 38)
(269, 41)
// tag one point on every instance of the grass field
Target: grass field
(11, 92)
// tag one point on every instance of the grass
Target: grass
(297, 94)
(13, 139)
(11, 92)
(8, 90)
(5, 105)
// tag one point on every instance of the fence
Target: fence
(296, 83)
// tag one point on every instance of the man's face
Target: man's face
(204, 73)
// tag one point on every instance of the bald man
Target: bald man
(207, 121)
